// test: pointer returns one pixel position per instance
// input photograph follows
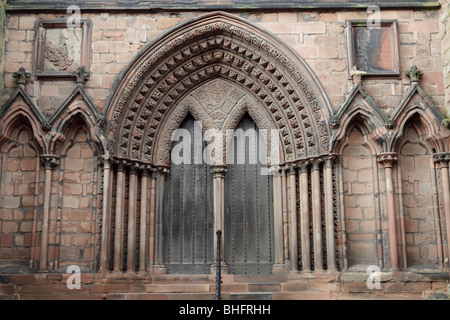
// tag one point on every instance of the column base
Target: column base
(279, 269)
(159, 269)
(223, 268)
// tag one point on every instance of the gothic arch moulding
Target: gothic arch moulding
(216, 45)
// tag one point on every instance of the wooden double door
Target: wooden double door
(188, 217)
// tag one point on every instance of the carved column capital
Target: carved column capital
(329, 159)
(134, 167)
(161, 171)
(303, 165)
(219, 171)
(105, 162)
(50, 161)
(121, 164)
(285, 168)
(387, 159)
(442, 158)
(275, 170)
(316, 163)
(146, 169)
(292, 169)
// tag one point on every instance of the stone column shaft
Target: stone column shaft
(49, 162)
(143, 221)
(105, 215)
(444, 159)
(278, 219)
(388, 160)
(329, 214)
(118, 235)
(304, 221)
(151, 235)
(131, 238)
(293, 219)
(219, 209)
(317, 217)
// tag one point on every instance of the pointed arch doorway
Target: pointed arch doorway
(155, 93)
(188, 216)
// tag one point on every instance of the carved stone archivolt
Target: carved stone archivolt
(217, 45)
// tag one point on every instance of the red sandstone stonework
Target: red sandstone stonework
(363, 177)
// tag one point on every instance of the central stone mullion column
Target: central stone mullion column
(218, 173)
(388, 160)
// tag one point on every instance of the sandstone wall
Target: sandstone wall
(319, 37)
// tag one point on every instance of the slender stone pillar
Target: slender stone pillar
(304, 220)
(118, 235)
(50, 162)
(293, 218)
(158, 266)
(317, 217)
(278, 220)
(132, 199)
(284, 203)
(388, 160)
(443, 159)
(218, 173)
(151, 231)
(143, 219)
(329, 213)
(106, 214)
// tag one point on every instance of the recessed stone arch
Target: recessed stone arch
(212, 46)
(219, 115)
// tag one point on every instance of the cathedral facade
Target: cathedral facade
(314, 136)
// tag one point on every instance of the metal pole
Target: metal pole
(218, 267)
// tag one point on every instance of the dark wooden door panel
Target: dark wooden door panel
(188, 214)
(248, 205)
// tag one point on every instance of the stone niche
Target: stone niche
(373, 49)
(62, 48)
